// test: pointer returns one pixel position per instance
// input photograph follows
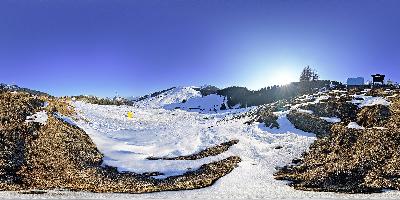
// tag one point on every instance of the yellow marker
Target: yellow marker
(130, 114)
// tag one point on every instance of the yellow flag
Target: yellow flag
(130, 114)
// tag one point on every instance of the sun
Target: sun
(283, 77)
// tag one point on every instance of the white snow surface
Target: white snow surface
(126, 143)
(354, 125)
(305, 111)
(40, 117)
(331, 119)
(206, 104)
(362, 101)
(175, 95)
(64, 118)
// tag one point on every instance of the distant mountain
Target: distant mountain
(15, 88)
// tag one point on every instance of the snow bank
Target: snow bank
(65, 118)
(205, 104)
(175, 95)
(331, 119)
(40, 117)
(362, 101)
(305, 111)
(354, 125)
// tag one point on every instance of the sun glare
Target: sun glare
(283, 77)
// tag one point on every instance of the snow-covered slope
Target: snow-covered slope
(174, 95)
(206, 104)
(126, 143)
(156, 131)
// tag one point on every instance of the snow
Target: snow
(362, 101)
(204, 104)
(331, 119)
(305, 111)
(126, 143)
(321, 98)
(158, 130)
(45, 104)
(40, 117)
(354, 125)
(175, 95)
(65, 118)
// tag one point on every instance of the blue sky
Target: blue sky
(135, 47)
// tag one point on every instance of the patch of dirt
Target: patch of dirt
(211, 151)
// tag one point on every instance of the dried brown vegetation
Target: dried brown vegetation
(309, 123)
(60, 155)
(352, 160)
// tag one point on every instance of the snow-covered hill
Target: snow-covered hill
(184, 98)
(170, 96)
(204, 104)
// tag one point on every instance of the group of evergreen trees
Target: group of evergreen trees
(245, 97)
(309, 83)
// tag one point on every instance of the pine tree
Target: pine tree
(315, 76)
(308, 74)
(223, 107)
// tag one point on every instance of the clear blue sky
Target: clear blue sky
(135, 47)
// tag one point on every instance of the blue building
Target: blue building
(359, 81)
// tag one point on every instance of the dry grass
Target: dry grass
(59, 155)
